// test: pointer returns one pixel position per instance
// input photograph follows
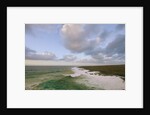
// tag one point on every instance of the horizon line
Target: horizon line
(76, 65)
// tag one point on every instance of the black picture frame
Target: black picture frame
(65, 3)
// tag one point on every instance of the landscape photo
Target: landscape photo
(74, 56)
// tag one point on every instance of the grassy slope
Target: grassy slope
(108, 69)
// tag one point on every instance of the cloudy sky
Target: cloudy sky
(74, 44)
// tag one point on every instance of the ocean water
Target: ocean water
(35, 75)
(69, 78)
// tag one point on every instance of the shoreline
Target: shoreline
(92, 79)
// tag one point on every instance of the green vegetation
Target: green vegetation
(108, 69)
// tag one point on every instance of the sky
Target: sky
(74, 44)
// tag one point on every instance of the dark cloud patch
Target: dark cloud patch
(114, 52)
(29, 51)
(33, 55)
(95, 51)
(104, 35)
(120, 27)
(116, 46)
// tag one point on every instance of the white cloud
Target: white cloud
(76, 38)
(33, 55)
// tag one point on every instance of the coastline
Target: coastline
(92, 79)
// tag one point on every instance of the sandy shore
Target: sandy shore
(96, 81)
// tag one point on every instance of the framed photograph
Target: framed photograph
(74, 57)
